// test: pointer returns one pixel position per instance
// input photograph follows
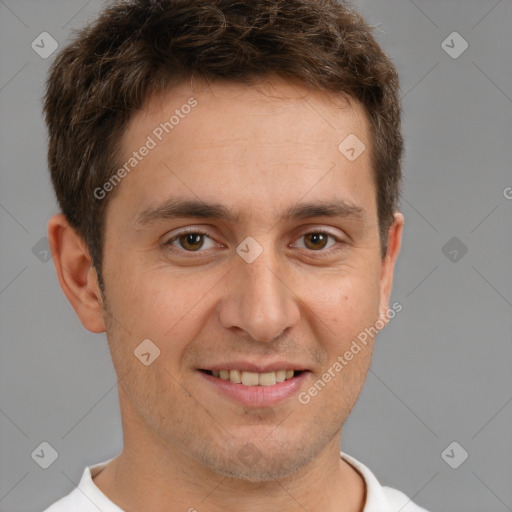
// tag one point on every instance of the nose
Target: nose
(258, 299)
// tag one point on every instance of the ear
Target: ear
(394, 242)
(76, 274)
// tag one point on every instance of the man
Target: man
(228, 174)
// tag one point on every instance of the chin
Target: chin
(255, 464)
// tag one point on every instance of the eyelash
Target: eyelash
(339, 243)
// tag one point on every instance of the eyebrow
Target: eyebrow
(195, 208)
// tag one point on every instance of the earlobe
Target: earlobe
(394, 243)
(76, 274)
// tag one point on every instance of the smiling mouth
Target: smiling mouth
(253, 378)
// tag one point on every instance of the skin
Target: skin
(257, 150)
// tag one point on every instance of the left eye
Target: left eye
(317, 240)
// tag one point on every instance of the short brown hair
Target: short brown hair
(138, 47)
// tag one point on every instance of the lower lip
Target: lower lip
(257, 396)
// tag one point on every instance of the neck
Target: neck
(138, 482)
(151, 475)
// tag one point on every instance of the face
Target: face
(243, 240)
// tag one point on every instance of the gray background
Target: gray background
(442, 368)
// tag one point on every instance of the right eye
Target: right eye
(189, 241)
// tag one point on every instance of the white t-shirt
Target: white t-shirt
(88, 498)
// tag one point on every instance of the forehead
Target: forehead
(223, 107)
(259, 146)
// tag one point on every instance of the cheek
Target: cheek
(346, 306)
(167, 309)
(346, 314)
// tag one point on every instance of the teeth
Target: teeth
(280, 375)
(267, 379)
(235, 376)
(253, 378)
(250, 379)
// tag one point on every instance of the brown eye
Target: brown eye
(316, 241)
(322, 242)
(191, 241)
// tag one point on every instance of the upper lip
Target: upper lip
(248, 366)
